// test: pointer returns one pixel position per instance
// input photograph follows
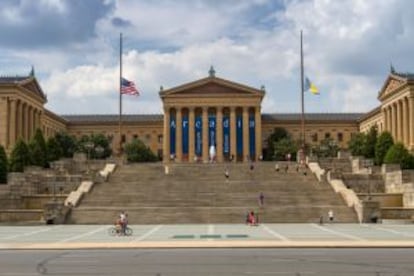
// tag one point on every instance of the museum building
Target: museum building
(205, 113)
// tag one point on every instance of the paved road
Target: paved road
(183, 262)
(212, 235)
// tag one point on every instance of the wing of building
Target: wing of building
(209, 112)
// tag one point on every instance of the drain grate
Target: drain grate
(210, 236)
(183, 236)
(236, 236)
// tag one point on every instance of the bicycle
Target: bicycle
(117, 230)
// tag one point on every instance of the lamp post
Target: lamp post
(368, 166)
(88, 145)
(99, 151)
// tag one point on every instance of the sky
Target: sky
(73, 45)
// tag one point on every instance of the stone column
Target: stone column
(219, 133)
(27, 122)
(19, 120)
(30, 123)
(258, 132)
(246, 153)
(205, 134)
(390, 123)
(12, 127)
(399, 121)
(411, 119)
(36, 120)
(384, 116)
(233, 135)
(393, 124)
(406, 125)
(179, 135)
(191, 134)
(4, 121)
(166, 137)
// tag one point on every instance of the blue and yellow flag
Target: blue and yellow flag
(309, 86)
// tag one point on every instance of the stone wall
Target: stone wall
(400, 181)
(364, 183)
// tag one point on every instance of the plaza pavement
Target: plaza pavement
(209, 236)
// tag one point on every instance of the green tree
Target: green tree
(327, 148)
(100, 141)
(398, 154)
(137, 151)
(370, 142)
(38, 150)
(284, 146)
(3, 165)
(54, 151)
(67, 143)
(20, 157)
(357, 144)
(384, 143)
(278, 134)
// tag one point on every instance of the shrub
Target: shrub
(398, 154)
(137, 151)
(3, 165)
(370, 142)
(20, 157)
(384, 143)
(54, 151)
(38, 150)
(357, 144)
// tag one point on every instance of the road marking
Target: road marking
(352, 237)
(153, 230)
(274, 233)
(391, 231)
(210, 231)
(28, 234)
(83, 235)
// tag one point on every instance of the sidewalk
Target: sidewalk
(208, 236)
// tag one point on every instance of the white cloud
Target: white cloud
(347, 46)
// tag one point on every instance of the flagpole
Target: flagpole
(302, 93)
(120, 94)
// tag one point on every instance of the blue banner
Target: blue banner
(226, 135)
(252, 137)
(173, 127)
(185, 134)
(239, 134)
(212, 131)
(198, 136)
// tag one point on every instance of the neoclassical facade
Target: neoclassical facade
(212, 114)
(209, 112)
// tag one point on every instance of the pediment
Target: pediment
(212, 86)
(33, 86)
(391, 83)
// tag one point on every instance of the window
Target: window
(327, 135)
(315, 137)
(148, 137)
(135, 136)
(160, 139)
(123, 138)
(340, 137)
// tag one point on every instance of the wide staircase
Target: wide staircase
(200, 193)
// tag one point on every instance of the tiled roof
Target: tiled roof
(312, 116)
(408, 76)
(113, 118)
(265, 117)
(9, 79)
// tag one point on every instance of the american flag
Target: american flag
(128, 87)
